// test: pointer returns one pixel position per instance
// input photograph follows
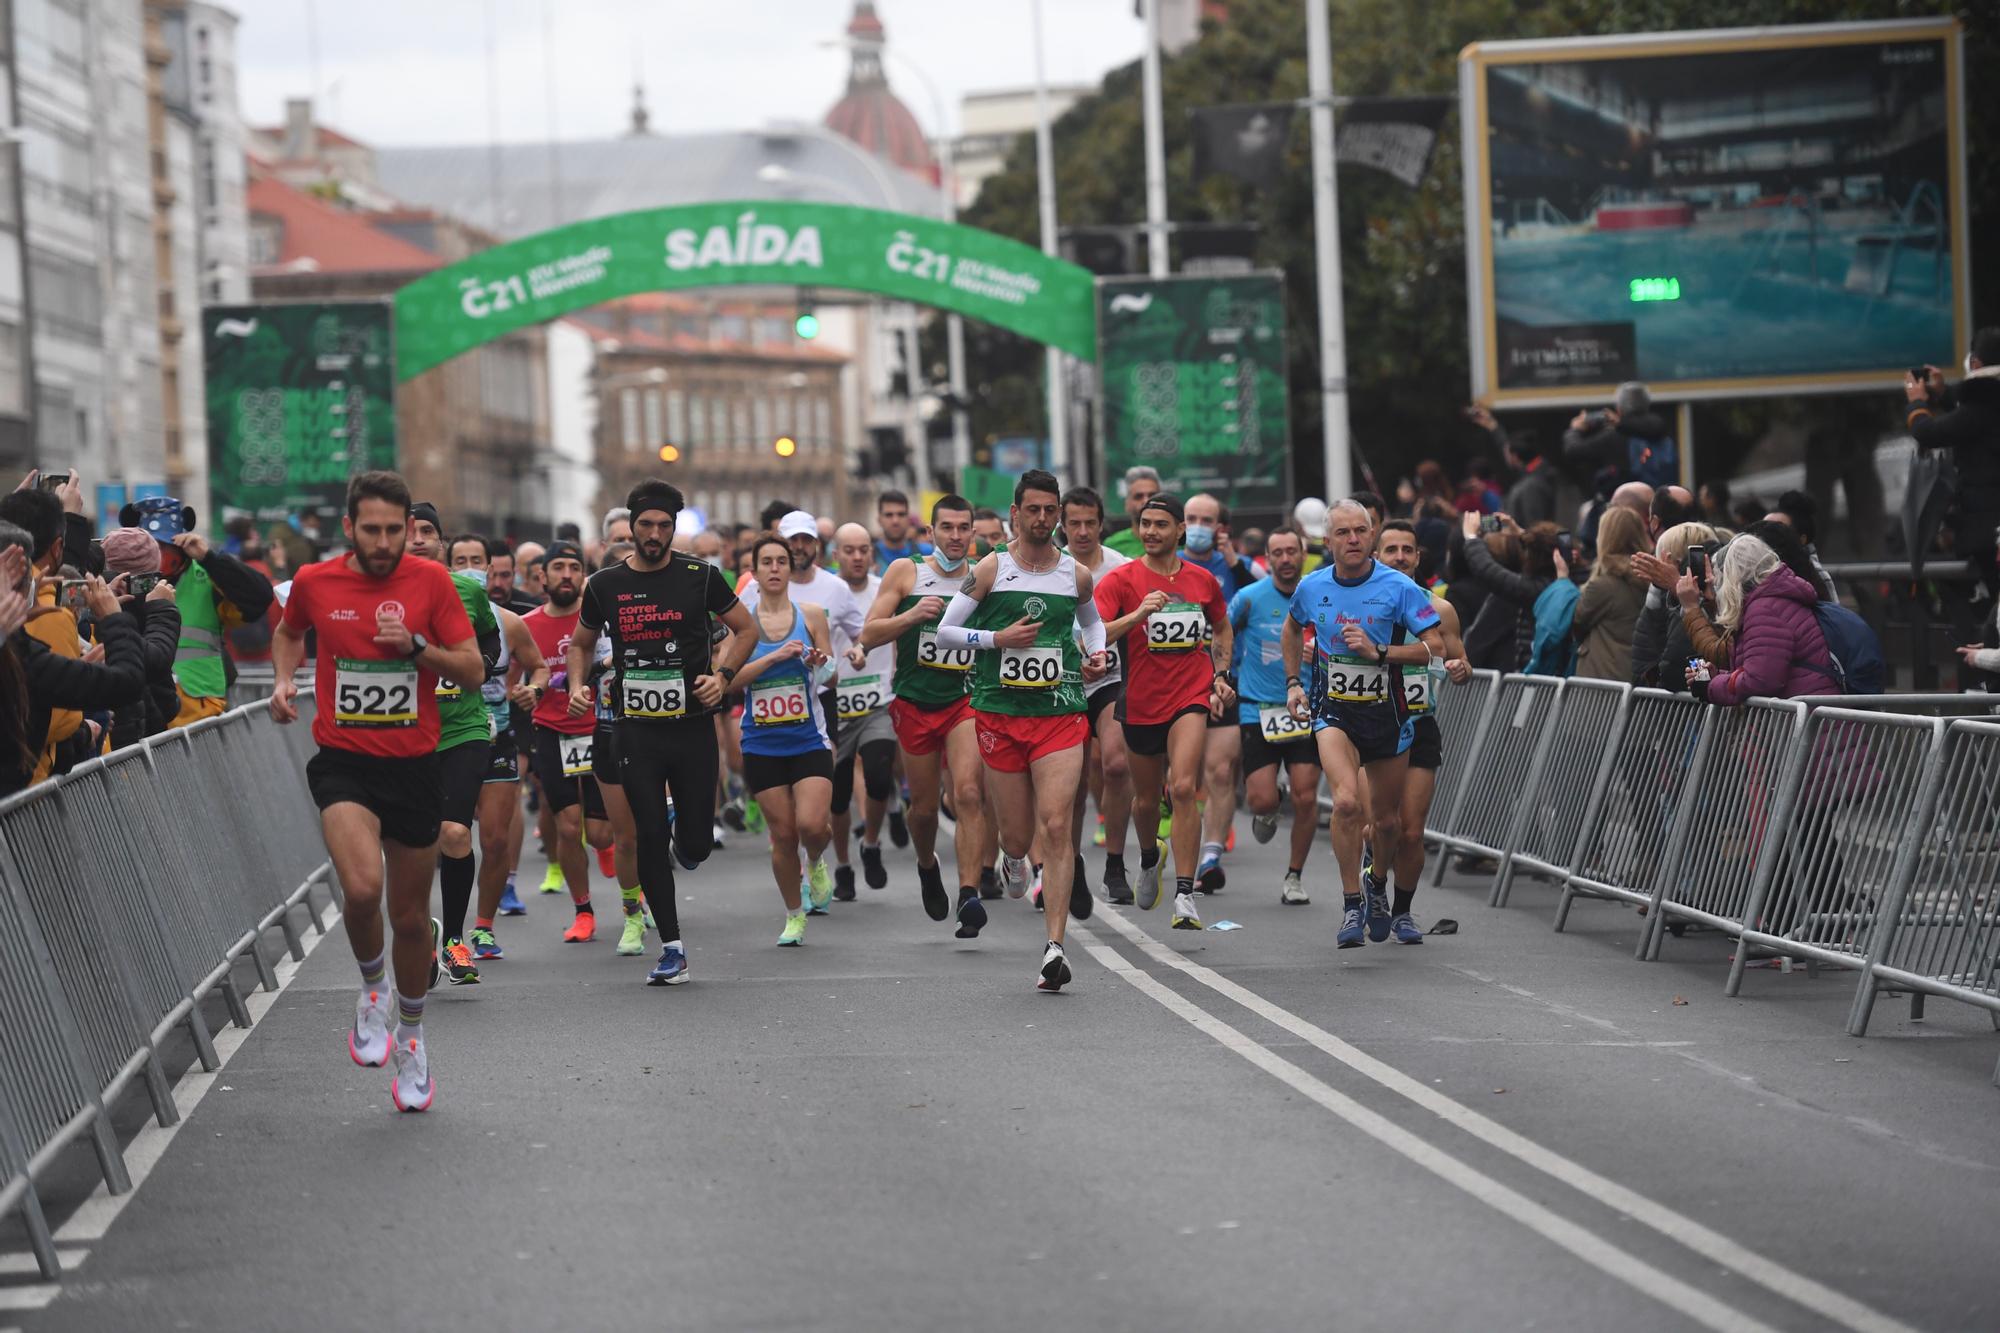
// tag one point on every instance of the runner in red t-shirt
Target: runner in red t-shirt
(1173, 623)
(565, 737)
(388, 628)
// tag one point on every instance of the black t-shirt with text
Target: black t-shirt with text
(658, 623)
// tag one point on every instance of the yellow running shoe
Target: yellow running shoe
(795, 931)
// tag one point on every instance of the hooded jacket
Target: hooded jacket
(1779, 652)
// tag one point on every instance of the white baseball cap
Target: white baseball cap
(1310, 515)
(798, 523)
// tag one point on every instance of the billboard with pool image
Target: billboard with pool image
(1729, 213)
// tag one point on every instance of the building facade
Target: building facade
(92, 271)
(744, 412)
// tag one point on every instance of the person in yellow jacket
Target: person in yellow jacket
(214, 591)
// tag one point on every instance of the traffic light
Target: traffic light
(670, 453)
(806, 324)
(786, 446)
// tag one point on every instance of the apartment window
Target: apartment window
(68, 300)
(823, 421)
(628, 411)
(59, 163)
(267, 240)
(718, 419)
(51, 31)
(210, 188)
(697, 420)
(60, 428)
(677, 421)
(760, 416)
(784, 413)
(654, 436)
(743, 421)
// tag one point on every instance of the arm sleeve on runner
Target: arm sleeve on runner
(951, 631)
(1091, 623)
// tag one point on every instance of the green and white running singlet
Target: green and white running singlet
(462, 713)
(1044, 679)
(928, 674)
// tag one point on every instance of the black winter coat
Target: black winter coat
(1512, 596)
(1967, 422)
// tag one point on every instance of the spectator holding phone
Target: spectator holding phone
(38, 511)
(132, 561)
(1511, 591)
(1965, 419)
(1777, 644)
(52, 682)
(214, 591)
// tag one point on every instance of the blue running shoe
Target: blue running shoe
(1405, 930)
(485, 948)
(1353, 926)
(971, 915)
(1377, 898)
(672, 969)
(510, 901)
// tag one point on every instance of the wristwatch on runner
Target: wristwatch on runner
(728, 675)
(417, 645)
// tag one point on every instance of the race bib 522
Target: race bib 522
(374, 694)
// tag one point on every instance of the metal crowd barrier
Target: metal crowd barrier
(1858, 832)
(128, 890)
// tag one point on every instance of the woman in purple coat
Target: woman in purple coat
(1780, 653)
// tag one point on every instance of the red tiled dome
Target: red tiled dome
(870, 114)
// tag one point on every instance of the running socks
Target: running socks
(455, 875)
(375, 969)
(583, 908)
(1149, 859)
(1404, 897)
(409, 1017)
(633, 900)
(1183, 884)
(1295, 870)
(1211, 851)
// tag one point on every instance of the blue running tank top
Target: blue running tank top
(781, 708)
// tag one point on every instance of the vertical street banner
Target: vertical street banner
(300, 398)
(1193, 370)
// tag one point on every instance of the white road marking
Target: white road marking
(1672, 1292)
(1682, 1230)
(37, 1297)
(96, 1214)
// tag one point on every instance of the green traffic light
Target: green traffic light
(806, 325)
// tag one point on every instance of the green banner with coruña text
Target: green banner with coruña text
(300, 398)
(976, 273)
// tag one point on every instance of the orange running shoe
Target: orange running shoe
(606, 865)
(582, 930)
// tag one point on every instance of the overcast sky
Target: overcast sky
(416, 71)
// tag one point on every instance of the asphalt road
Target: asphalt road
(891, 1129)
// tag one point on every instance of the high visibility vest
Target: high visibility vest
(198, 666)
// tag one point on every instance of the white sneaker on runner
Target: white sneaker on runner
(412, 1089)
(1186, 917)
(1149, 881)
(368, 1042)
(1014, 875)
(1293, 894)
(1055, 968)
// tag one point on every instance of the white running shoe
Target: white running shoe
(1293, 894)
(1264, 827)
(1149, 882)
(1185, 915)
(1055, 968)
(368, 1042)
(716, 837)
(1014, 875)
(412, 1088)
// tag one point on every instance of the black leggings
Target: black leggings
(655, 758)
(878, 774)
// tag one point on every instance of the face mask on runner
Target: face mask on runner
(1200, 539)
(946, 563)
(476, 575)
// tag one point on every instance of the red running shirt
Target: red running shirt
(370, 700)
(1167, 662)
(552, 634)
